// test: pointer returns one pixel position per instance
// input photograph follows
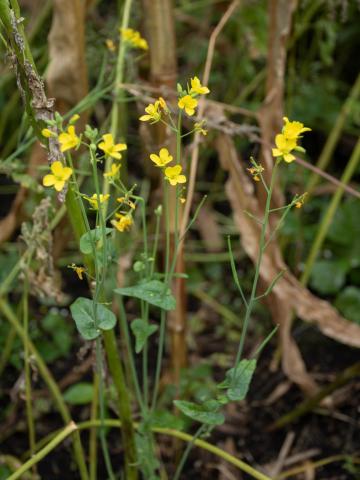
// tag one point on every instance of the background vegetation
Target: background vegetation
(262, 61)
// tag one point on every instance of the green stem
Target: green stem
(329, 214)
(93, 432)
(54, 389)
(7, 348)
(119, 79)
(159, 359)
(181, 436)
(104, 446)
(115, 365)
(262, 245)
(44, 452)
(186, 452)
(28, 396)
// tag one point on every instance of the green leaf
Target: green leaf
(206, 413)
(238, 385)
(328, 276)
(142, 331)
(88, 326)
(79, 394)
(345, 227)
(153, 292)
(348, 303)
(94, 236)
(165, 419)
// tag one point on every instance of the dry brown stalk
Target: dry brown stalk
(66, 80)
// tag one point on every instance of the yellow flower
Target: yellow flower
(188, 104)
(78, 270)
(110, 45)
(110, 148)
(58, 177)
(163, 104)
(292, 130)
(134, 38)
(114, 170)
(173, 174)
(153, 113)
(197, 88)
(299, 202)
(47, 133)
(162, 159)
(94, 200)
(284, 147)
(68, 139)
(123, 222)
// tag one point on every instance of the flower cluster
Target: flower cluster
(123, 219)
(286, 141)
(154, 111)
(133, 38)
(172, 174)
(187, 100)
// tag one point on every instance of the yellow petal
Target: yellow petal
(289, 157)
(57, 168)
(59, 185)
(119, 147)
(181, 179)
(155, 158)
(48, 180)
(108, 139)
(67, 171)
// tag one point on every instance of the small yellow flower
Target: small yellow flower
(110, 45)
(199, 128)
(162, 159)
(93, 200)
(153, 113)
(188, 104)
(256, 172)
(113, 172)
(110, 148)
(78, 270)
(47, 133)
(197, 88)
(59, 176)
(300, 200)
(174, 176)
(284, 147)
(134, 38)
(123, 222)
(68, 139)
(292, 130)
(126, 201)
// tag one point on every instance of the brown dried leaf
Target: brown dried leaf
(209, 229)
